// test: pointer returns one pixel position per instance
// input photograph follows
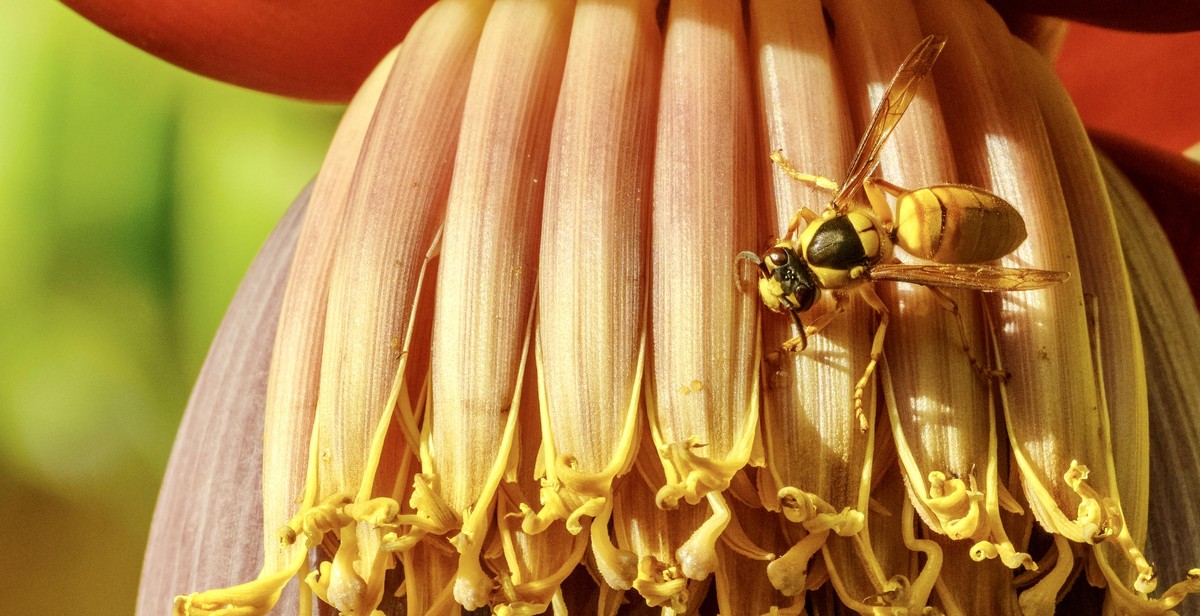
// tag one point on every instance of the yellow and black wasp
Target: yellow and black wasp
(849, 244)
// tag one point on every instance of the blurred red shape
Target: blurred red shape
(1144, 86)
(313, 49)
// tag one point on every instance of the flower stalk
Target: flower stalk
(591, 346)
(702, 401)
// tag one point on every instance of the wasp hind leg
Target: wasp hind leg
(877, 305)
(949, 304)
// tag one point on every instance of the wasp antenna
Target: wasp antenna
(750, 256)
(746, 255)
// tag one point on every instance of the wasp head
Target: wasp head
(787, 284)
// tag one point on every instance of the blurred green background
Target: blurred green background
(133, 196)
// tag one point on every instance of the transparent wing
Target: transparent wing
(978, 277)
(891, 108)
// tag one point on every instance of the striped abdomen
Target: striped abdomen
(954, 223)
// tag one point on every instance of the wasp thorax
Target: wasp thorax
(837, 248)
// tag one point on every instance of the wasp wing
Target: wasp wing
(891, 107)
(978, 277)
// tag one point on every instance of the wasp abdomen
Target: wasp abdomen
(955, 223)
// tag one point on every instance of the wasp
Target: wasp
(850, 243)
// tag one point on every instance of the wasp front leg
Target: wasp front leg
(818, 324)
(816, 180)
(804, 215)
(868, 294)
(823, 321)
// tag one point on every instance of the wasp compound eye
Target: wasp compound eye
(776, 257)
(806, 295)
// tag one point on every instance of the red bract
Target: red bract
(314, 49)
(1166, 15)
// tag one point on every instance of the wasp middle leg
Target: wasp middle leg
(875, 189)
(877, 305)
